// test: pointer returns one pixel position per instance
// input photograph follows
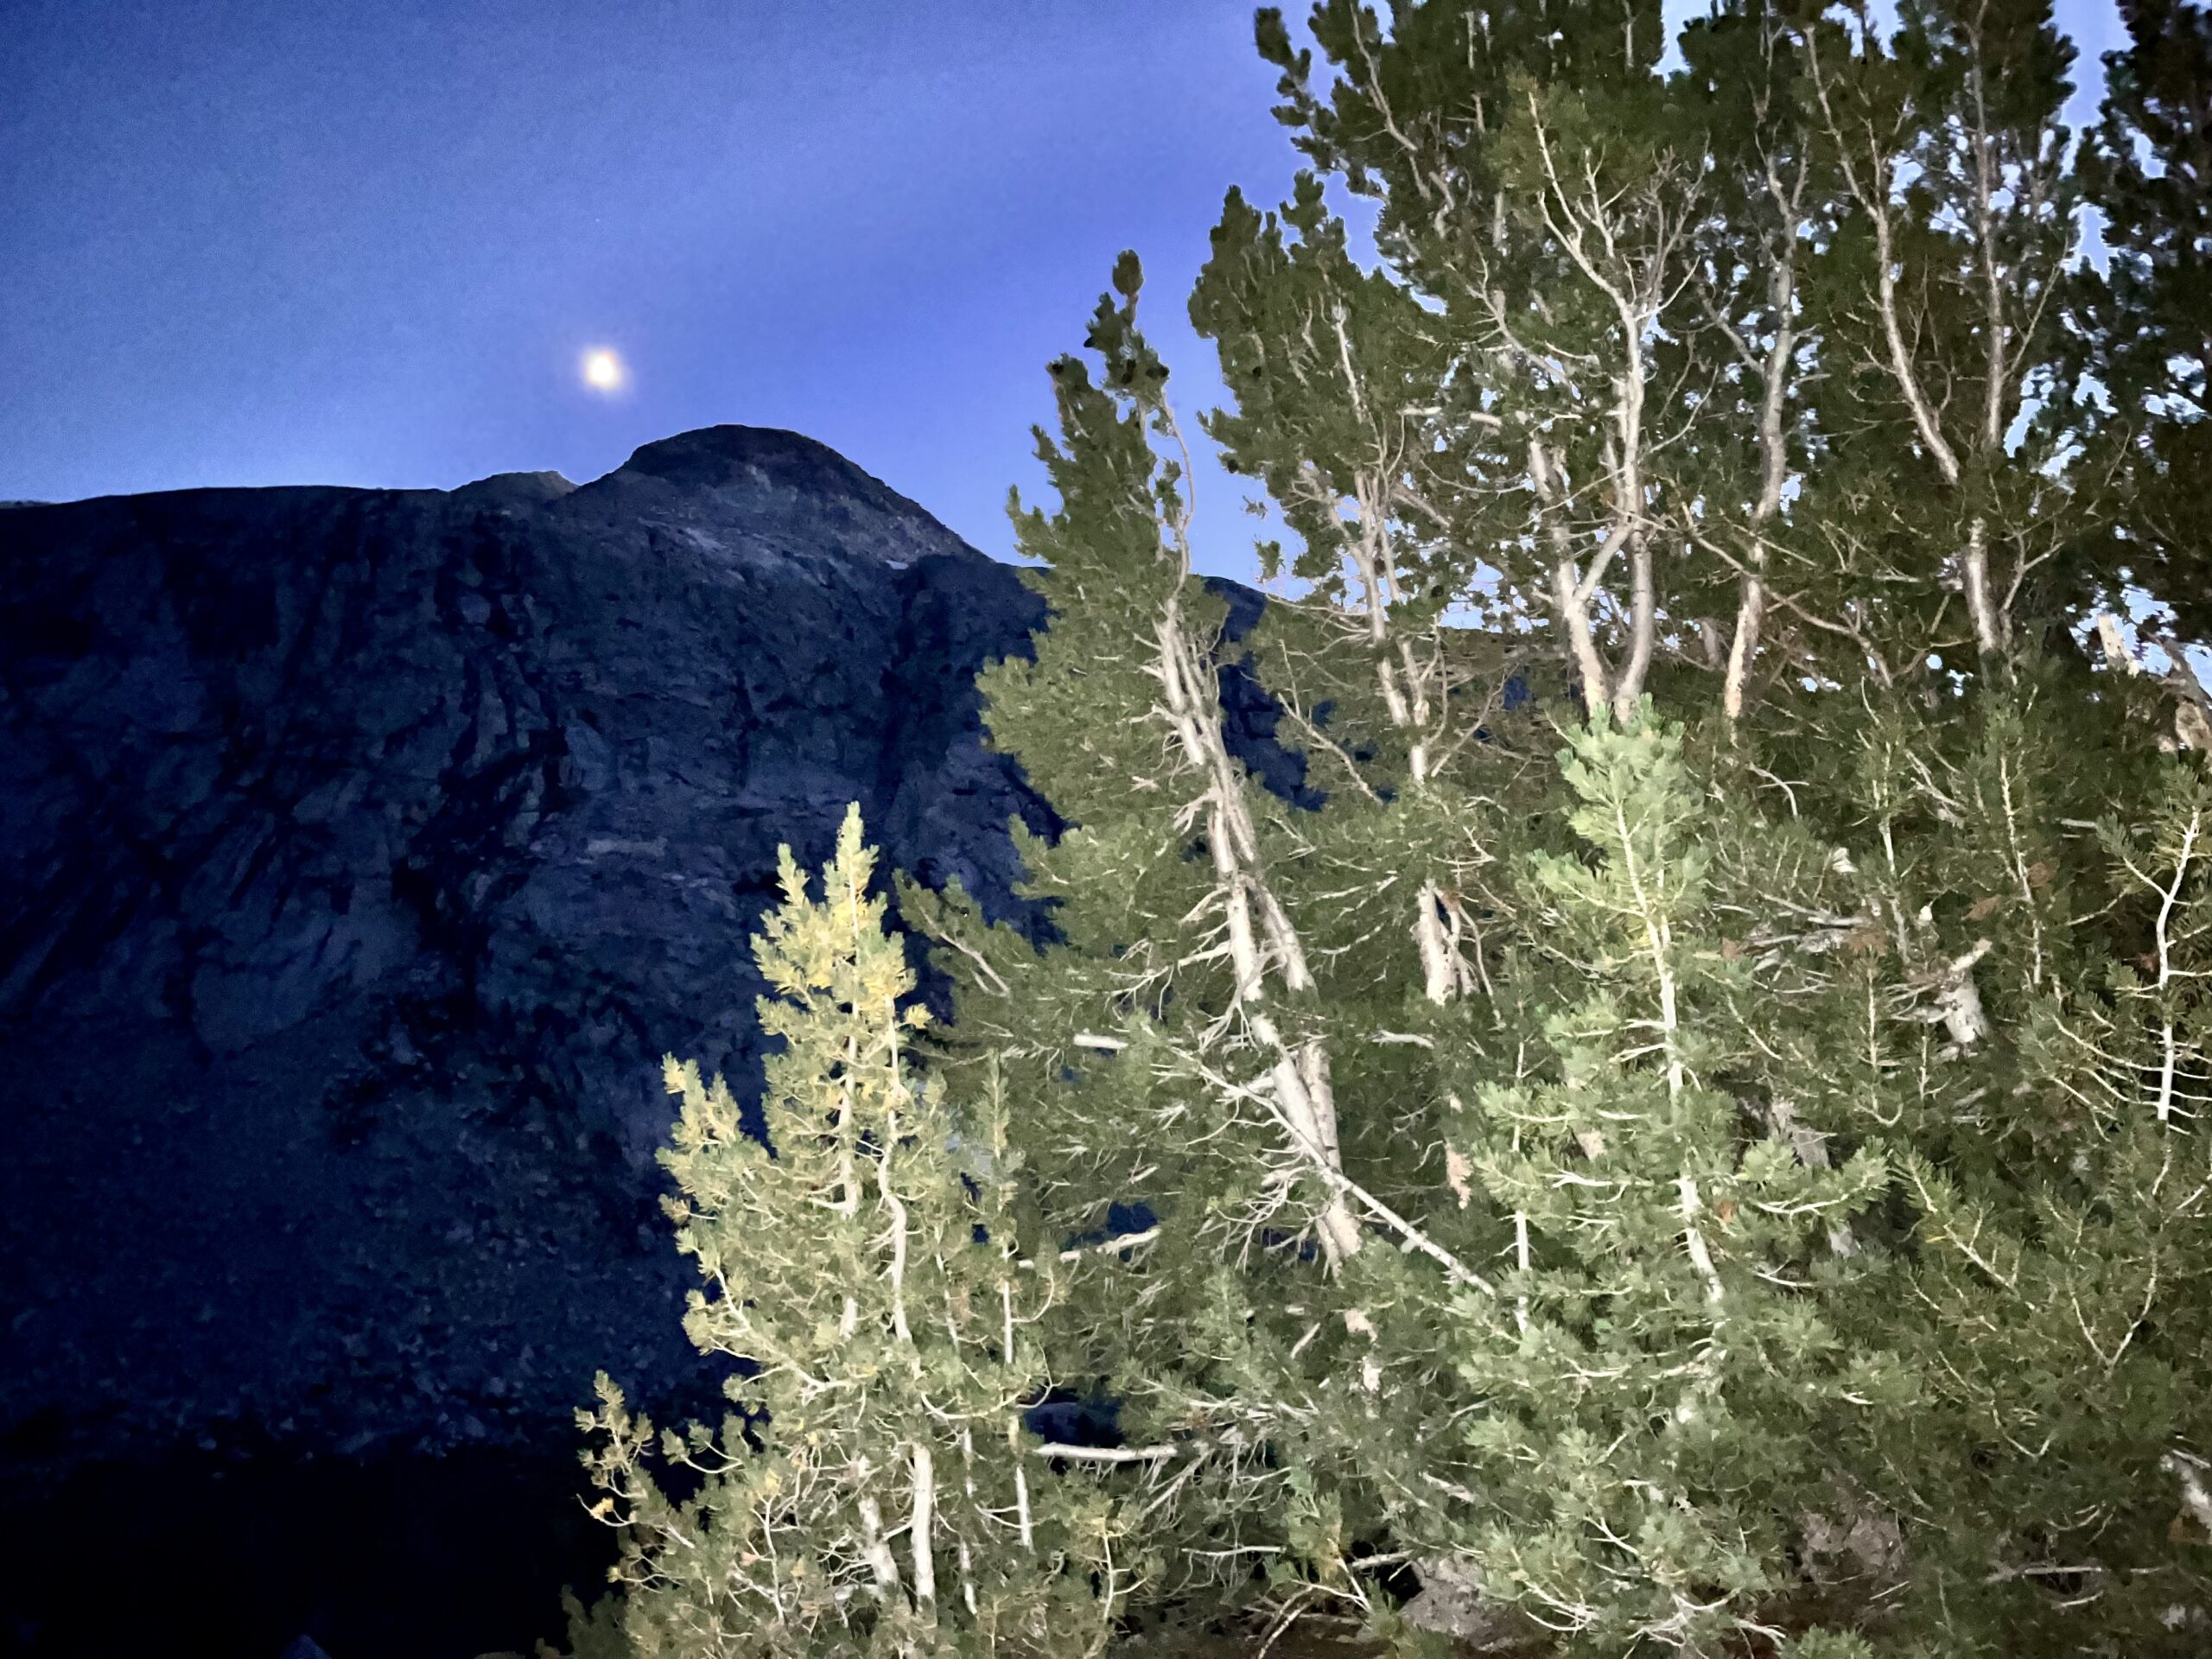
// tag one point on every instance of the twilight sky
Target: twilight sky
(373, 241)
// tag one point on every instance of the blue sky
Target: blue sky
(370, 241)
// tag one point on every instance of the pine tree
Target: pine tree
(2023, 1017)
(1655, 1367)
(1531, 193)
(876, 1493)
(1741, 1190)
(1942, 317)
(1180, 1049)
(1749, 336)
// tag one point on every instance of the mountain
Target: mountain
(361, 853)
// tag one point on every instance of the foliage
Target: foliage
(2142, 328)
(872, 1494)
(1693, 1144)
(1656, 1366)
(1724, 417)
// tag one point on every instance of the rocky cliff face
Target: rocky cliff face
(360, 853)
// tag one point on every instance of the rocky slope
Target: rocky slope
(360, 854)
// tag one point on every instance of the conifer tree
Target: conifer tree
(1165, 1052)
(1740, 1190)
(1131, 744)
(1750, 336)
(2012, 1052)
(1532, 193)
(1941, 318)
(1339, 376)
(879, 1494)
(1655, 1367)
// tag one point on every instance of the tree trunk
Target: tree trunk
(1254, 918)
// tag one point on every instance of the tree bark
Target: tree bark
(921, 1522)
(1301, 1071)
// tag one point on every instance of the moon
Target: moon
(603, 370)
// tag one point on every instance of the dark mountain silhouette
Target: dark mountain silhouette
(361, 852)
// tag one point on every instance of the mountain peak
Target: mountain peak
(720, 456)
(777, 487)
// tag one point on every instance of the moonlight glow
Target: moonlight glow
(602, 370)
